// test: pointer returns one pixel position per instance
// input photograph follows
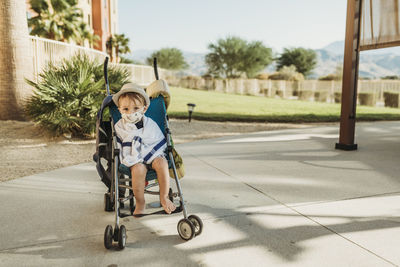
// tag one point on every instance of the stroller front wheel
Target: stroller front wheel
(122, 237)
(186, 229)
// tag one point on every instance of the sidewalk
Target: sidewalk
(280, 198)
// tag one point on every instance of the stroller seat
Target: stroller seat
(156, 112)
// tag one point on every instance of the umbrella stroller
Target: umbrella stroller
(116, 176)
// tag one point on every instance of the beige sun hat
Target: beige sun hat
(131, 88)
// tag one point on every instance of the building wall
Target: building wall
(86, 7)
(100, 15)
(105, 20)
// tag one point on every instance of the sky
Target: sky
(192, 25)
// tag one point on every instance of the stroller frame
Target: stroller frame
(188, 227)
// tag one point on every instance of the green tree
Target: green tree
(59, 20)
(121, 44)
(256, 57)
(233, 56)
(303, 59)
(126, 60)
(86, 33)
(168, 58)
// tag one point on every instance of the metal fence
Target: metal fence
(144, 75)
(372, 93)
(45, 51)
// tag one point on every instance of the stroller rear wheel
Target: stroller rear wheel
(108, 237)
(108, 203)
(197, 223)
(186, 229)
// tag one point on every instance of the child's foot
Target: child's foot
(139, 210)
(167, 205)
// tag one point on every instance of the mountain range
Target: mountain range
(373, 64)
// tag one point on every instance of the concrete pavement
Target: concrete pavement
(281, 198)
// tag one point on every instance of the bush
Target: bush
(263, 76)
(287, 73)
(329, 77)
(68, 95)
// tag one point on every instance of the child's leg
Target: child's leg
(160, 165)
(138, 172)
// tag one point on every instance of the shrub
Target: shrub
(263, 76)
(68, 95)
(287, 73)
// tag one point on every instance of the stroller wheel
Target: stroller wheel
(108, 204)
(108, 237)
(122, 237)
(186, 229)
(197, 223)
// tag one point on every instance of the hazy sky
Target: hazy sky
(191, 25)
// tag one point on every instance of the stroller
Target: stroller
(117, 177)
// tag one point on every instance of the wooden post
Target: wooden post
(350, 77)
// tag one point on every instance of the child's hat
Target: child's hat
(131, 88)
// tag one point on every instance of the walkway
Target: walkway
(281, 198)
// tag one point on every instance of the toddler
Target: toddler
(142, 145)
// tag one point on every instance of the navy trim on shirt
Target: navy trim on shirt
(154, 150)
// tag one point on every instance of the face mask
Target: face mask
(133, 117)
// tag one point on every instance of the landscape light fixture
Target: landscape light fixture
(190, 110)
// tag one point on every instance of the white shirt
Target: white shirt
(139, 145)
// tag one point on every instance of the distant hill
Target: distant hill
(373, 64)
(195, 61)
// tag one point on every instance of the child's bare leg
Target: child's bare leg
(138, 172)
(160, 165)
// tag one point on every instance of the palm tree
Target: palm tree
(86, 34)
(121, 44)
(56, 19)
(14, 55)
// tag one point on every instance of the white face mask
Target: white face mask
(133, 117)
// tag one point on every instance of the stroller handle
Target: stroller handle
(106, 75)
(155, 68)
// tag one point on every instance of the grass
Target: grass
(217, 106)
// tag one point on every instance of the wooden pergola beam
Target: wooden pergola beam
(350, 77)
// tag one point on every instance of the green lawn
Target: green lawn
(229, 107)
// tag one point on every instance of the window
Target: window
(105, 25)
(105, 3)
(89, 21)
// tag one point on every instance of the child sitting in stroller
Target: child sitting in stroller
(141, 144)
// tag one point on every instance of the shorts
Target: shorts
(149, 165)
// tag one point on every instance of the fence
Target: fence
(144, 75)
(371, 93)
(45, 50)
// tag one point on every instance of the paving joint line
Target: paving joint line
(292, 209)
